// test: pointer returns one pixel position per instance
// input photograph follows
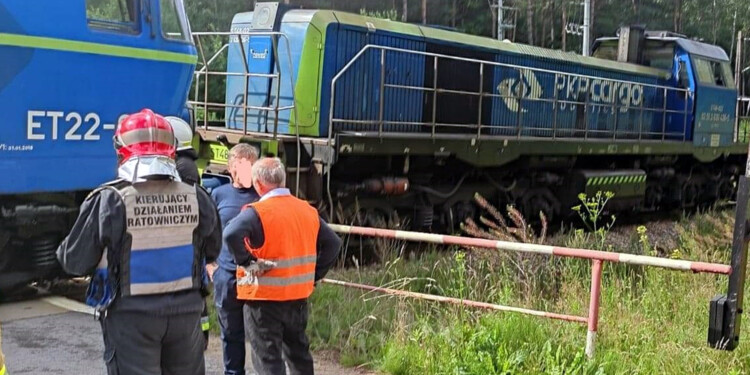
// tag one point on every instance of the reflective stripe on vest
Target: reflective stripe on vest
(290, 229)
(161, 218)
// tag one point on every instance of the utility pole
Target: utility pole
(498, 18)
(586, 27)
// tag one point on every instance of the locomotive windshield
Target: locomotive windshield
(174, 22)
(713, 72)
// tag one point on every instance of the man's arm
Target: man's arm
(328, 246)
(82, 249)
(210, 226)
(245, 225)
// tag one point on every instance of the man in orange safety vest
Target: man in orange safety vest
(281, 247)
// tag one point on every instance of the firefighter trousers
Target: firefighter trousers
(139, 343)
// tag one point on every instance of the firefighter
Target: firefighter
(187, 169)
(289, 248)
(186, 155)
(142, 238)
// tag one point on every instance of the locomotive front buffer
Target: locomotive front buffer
(725, 312)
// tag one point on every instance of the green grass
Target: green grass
(653, 321)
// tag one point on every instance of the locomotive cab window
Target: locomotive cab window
(174, 24)
(713, 72)
(112, 15)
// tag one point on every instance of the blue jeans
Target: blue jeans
(231, 321)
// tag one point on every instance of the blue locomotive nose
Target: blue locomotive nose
(69, 71)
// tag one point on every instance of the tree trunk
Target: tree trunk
(677, 16)
(405, 10)
(529, 23)
(424, 12)
(543, 37)
(592, 22)
(453, 14)
(716, 21)
(564, 32)
(552, 13)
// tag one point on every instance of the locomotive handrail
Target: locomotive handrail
(243, 37)
(661, 93)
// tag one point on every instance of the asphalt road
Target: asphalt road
(56, 335)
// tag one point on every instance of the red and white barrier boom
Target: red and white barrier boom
(596, 257)
(726, 310)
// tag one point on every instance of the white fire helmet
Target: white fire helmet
(182, 132)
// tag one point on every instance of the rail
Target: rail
(273, 81)
(520, 101)
(597, 259)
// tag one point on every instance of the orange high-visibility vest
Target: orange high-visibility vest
(290, 231)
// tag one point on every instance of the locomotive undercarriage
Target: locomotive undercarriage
(31, 228)
(437, 196)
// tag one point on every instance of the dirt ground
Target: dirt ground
(326, 362)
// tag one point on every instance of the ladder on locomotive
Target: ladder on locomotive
(519, 96)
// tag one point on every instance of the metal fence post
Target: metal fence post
(664, 116)
(434, 94)
(481, 99)
(593, 319)
(725, 312)
(382, 93)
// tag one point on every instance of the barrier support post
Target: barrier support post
(593, 319)
(725, 312)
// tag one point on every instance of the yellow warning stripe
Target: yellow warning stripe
(68, 45)
(616, 180)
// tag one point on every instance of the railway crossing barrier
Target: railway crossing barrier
(597, 259)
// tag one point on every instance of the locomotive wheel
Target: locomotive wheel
(727, 188)
(366, 213)
(539, 200)
(690, 194)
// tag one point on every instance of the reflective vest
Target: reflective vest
(161, 258)
(290, 231)
(2, 360)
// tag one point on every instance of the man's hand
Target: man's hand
(210, 269)
(250, 273)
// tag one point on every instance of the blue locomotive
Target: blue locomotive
(399, 120)
(70, 70)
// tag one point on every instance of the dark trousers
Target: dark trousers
(231, 321)
(276, 331)
(139, 343)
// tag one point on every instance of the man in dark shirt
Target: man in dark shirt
(288, 232)
(229, 200)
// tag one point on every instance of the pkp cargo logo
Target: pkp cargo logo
(523, 86)
(604, 95)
